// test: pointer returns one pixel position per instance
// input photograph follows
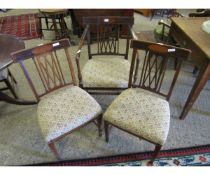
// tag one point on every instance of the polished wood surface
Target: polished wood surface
(189, 34)
(8, 44)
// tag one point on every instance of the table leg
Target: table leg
(200, 82)
(6, 98)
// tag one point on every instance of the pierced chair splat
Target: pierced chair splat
(107, 69)
(63, 107)
(143, 109)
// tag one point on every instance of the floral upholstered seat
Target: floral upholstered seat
(63, 107)
(106, 72)
(60, 111)
(142, 109)
(107, 69)
(142, 113)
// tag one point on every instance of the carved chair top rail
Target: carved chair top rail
(41, 49)
(180, 53)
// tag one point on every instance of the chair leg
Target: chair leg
(99, 121)
(54, 150)
(10, 88)
(106, 128)
(156, 151)
(175, 63)
(10, 74)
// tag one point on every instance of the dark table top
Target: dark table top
(8, 44)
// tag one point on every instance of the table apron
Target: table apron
(197, 56)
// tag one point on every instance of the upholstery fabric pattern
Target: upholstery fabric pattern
(106, 72)
(142, 113)
(64, 110)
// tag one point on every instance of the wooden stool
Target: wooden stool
(57, 17)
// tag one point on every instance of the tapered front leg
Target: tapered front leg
(156, 151)
(106, 128)
(99, 121)
(54, 150)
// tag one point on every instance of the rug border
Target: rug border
(95, 161)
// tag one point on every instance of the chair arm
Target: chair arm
(164, 26)
(78, 53)
(133, 33)
(161, 22)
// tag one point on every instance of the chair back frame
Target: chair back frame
(106, 32)
(48, 66)
(154, 65)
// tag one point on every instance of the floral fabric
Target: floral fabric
(106, 72)
(142, 113)
(64, 110)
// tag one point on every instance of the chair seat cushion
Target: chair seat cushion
(63, 110)
(141, 113)
(111, 72)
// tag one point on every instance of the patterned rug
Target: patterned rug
(23, 26)
(192, 156)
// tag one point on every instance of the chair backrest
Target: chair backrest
(105, 32)
(154, 58)
(47, 67)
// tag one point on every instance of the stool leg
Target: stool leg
(57, 36)
(63, 27)
(46, 21)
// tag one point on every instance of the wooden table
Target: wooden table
(9, 44)
(189, 34)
